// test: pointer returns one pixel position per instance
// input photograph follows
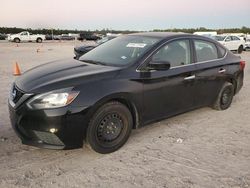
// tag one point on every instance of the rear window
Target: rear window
(205, 50)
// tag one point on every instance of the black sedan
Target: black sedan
(80, 50)
(121, 85)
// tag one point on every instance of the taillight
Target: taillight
(242, 65)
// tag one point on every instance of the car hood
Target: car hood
(14, 35)
(62, 74)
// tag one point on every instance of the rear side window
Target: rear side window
(222, 51)
(235, 38)
(205, 50)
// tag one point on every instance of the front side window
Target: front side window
(205, 50)
(219, 38)
(177, 53)
(229, 38)
(24, 33)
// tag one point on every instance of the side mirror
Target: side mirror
(159, 65)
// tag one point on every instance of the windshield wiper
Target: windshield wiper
(93, 62)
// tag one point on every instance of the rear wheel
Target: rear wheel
(109, 127)
(225, 97)
(240, 49)
(39, 40)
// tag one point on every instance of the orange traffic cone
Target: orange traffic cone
(16, 70)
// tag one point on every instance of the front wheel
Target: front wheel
(17, 40)
(109, 128)
(225, 97)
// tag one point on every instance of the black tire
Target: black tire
(109, 128)
(39, 40)
(240, 49)
(17, 40)
(225, 97)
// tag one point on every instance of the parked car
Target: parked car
(80, 50)
(3, 36)
(88, 36)
(123, 84)
(48, 37)
(66, 37)
(56, 37)
(247, 44)
(231, 42)
(25, 36)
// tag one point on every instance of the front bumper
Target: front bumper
(34, 126)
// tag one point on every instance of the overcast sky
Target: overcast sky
(124, 14)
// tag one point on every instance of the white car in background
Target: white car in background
(209, 34)
(231, 42)
(247, 44)
(25, 36)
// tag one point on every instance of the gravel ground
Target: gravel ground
(202, 148)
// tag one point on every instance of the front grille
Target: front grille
(48, 138)
(16, 94)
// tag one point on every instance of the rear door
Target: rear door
(236, 42)
(172, 91)
(210, 74)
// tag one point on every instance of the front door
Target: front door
(172, 91)
(25, 36)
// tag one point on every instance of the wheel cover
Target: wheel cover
(109, 128)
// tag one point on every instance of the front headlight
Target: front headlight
(54, 99)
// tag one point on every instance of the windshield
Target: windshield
(104, 39)
(120, 51)
(219, 38)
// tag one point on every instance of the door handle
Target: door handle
(190, 77)
(222, 71)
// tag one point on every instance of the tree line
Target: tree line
(243, 29)
(13, 30)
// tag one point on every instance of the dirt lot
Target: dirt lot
(202, 148)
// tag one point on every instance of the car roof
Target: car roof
(168, 35)
(161, 35)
